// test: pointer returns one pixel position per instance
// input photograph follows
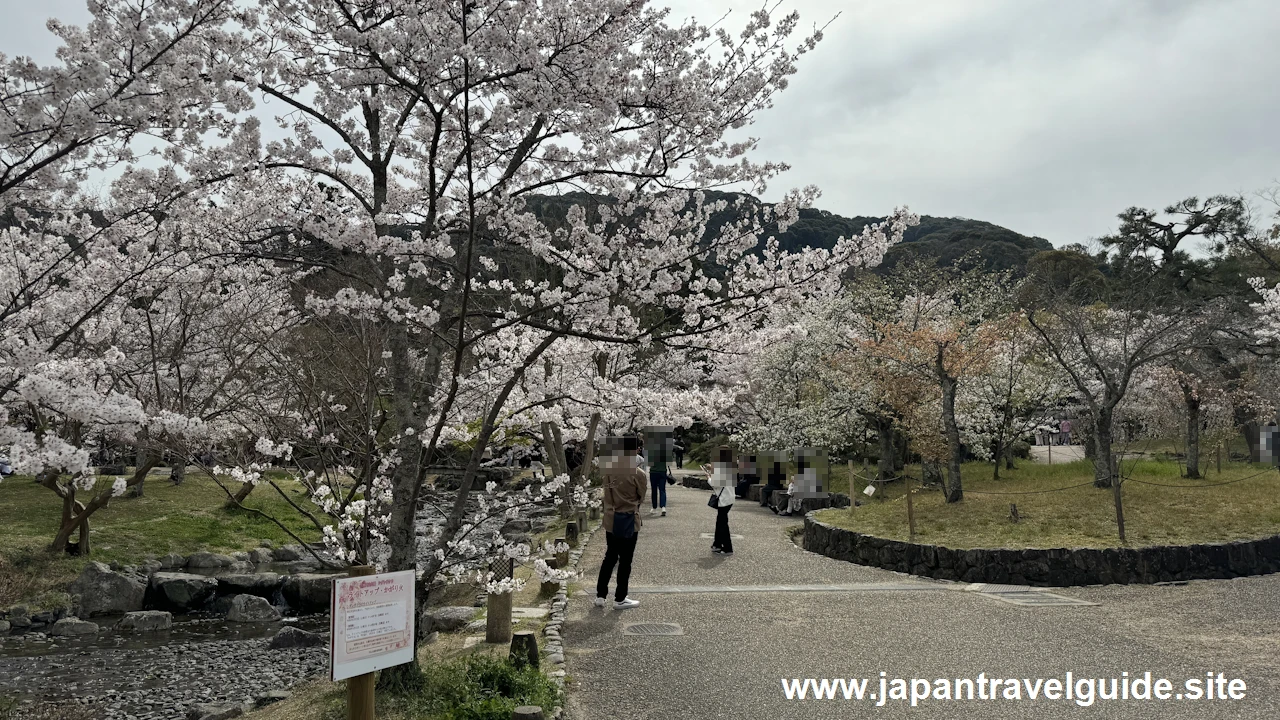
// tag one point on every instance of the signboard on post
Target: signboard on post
(371, 620)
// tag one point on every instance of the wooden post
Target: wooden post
(582, 521)
(360, 687)
(497, 619)
(528, 712)
(852, 495)
(1050, 446)
(524, 649)
(562, 558)
(571, 533)
(1115, 488)
(549, 587)
(911, 511)
(1219, 458)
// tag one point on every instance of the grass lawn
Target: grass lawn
(1079, 517)
(168, 519)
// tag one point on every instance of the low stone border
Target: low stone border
(559, 609)
(1056, 567)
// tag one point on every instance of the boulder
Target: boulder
(208, 560)
(4, 626)
(104, 591)
(215, 711)
(271, 697)
(308, 592)
(146, 621)
(287, 553)
(173, 561)
(261, 584)
(67, 627)
(292, 637)
(259, 556)
(182, 591)
(449, 618)
(251, 609)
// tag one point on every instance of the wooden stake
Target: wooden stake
(360, 687)
(911, 511)
(1219, 458)
(1115, 488)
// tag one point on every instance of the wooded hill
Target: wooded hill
(947, 239)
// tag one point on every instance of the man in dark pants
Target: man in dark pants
(625, 485)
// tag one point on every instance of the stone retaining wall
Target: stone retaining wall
(1057, 567)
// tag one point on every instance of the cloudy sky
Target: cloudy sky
(1044, 116)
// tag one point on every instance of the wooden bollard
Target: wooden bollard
(582, 521)
(571, 533)
(562, 557)
(497, 620)
(528, 712)
(524, 649)
(594, 513)
(550, 587)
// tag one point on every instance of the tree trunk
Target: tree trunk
(1102, 448)
(997, 456)
(1008, 457)
(885, 466)
(1193, 430)
(954, 492)
(141, 460)
(241, 494)
(178, 473)
(930, 472)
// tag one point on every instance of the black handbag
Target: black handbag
(714, 502)
(671, 480)
(624, 525)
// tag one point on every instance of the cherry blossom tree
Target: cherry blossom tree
(420, 131)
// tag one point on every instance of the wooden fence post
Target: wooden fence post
(360, 687)
(1115, 488)
(497, 618)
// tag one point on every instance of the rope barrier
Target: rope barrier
(1028, 492)
(1228, 482)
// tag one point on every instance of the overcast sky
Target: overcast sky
(1043, 116)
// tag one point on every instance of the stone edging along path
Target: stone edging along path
(1056, 567)
(559, 609)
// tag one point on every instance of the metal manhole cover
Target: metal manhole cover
(1036, 599)
(649, 629)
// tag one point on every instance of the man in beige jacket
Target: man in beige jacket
(625, 485)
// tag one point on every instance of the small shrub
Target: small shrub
(1021, 450)
(479, 688)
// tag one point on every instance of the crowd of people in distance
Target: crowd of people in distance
(634, 466)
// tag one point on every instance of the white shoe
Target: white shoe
(625, 603)
(664, 512)
(653, 512)
(599, 602)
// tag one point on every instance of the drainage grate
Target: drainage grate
(1036, 599)
(650, 629)
(998, 588)
(710, 536)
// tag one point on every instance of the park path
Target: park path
(754, 618)
(1057, 454)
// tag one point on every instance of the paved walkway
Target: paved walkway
(773, 611)
(1059, 453)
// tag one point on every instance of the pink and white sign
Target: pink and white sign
(371, 619)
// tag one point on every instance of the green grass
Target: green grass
(168, 519)
(475, 683)
(1080, 517)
